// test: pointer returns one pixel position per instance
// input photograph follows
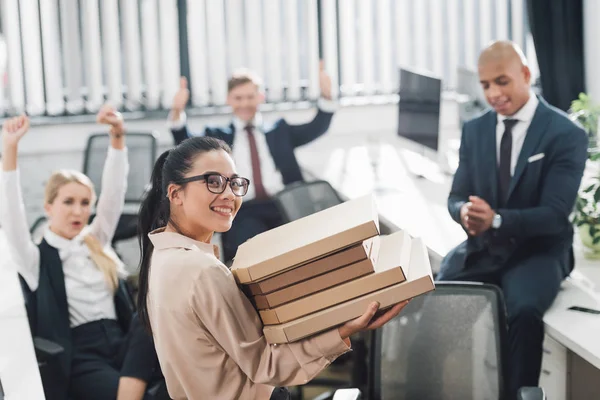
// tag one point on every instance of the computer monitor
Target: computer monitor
(468, 84)
(419, 108)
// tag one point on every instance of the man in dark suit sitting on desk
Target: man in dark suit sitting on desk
(264, 152)
(520, 169)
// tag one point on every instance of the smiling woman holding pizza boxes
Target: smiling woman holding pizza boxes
(208, 336)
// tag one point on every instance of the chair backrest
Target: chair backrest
(304, 198)
(142, 152)
(448, 344)
(38, 228)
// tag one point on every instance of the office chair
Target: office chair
(299, 200)
(447, 344)
(304, 198)
(47, 351)
(142, 152)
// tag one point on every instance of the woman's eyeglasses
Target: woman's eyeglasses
(217, 183)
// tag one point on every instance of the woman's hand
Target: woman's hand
(108, 115)
(366, 322)
(14, 129)
(12, 132)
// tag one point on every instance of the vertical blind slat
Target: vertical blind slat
(197, 52)
(132, 53)
(293, 49)
(51, 49)
(72, 57)
(92, 52)
(12, 31)
(215, 14)
(169, 50)
(151, 52)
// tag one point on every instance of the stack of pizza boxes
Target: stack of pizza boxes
(320, 271)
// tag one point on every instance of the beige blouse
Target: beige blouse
(209, 337)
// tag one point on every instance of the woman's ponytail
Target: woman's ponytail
(171, 167)
(154, 213)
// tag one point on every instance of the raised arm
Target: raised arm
(306, 133)
(233, 322)
(177, 121)
(12, 209)
(114, 178)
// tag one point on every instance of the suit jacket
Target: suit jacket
(542, 193)
(282, 139)
(48, 315)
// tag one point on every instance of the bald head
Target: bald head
(504, 76)
(503, 51)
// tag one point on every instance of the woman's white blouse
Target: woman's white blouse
(89, 297)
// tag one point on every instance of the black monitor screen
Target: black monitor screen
(419, 108)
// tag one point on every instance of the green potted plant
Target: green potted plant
(586, 112)
(586, 215)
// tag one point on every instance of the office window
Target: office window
(83, 53)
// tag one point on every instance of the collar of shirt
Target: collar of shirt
(67, 247)
(257, 122)
(526, 113)
(166, 240)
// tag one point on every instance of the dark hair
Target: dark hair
(155, 210)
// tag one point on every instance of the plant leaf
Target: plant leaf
(588, 189)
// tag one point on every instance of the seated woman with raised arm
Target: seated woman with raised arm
(74, 297)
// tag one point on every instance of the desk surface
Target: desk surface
(418, 205)
(18, 366)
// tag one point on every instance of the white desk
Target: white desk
(18, 366)
(419, 206)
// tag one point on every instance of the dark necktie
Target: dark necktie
(259, 188)
(504, 175)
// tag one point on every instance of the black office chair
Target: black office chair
(448, 344)
(299, 200)
(47, 351)
(304, 198)
(142, 152)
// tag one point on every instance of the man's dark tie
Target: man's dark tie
(259, 189)
(504, 174)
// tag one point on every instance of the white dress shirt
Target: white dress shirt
(89, 296)
(271, 177)
(519, 131)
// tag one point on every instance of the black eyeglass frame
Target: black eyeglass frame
(204, 177)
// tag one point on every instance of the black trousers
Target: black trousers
(254, 217)
(529, 286)
(103, 353)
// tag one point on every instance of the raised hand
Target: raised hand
(324, 81)
(108, 115)
(14, 129)
(182, 96)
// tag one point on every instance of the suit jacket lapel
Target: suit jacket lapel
(534, 135)
(232, 131)
(490, 163)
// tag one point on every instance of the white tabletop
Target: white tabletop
(19, 372)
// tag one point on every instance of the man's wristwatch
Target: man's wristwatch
(497, 221)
